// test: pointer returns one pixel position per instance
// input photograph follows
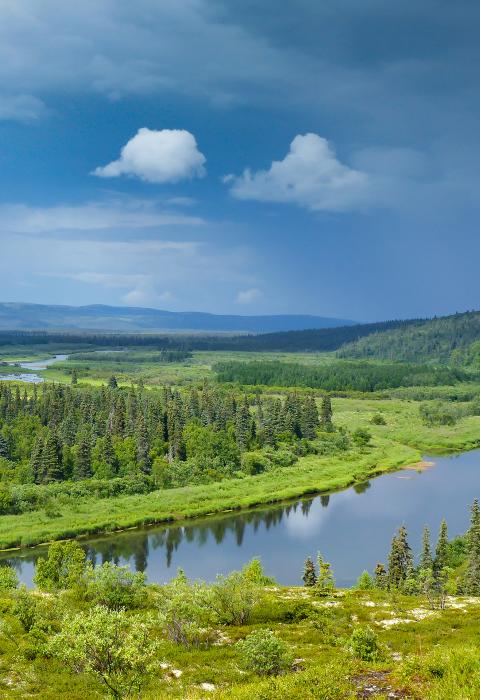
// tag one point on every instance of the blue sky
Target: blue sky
(237, 157)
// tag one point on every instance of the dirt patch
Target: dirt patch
(375, 683)
(420, 466)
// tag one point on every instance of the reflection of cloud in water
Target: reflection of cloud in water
(303, 523)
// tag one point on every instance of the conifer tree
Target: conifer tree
(426, 559)
(143, 450)
(112, 382)
(471, 580)
(52, 458)
(4, 451)
(325, 581)
(381, 577)
(326, 413)
(83, 459)
(36, 463)
(243, 425)
(74, 379)
(400, 560)
(441, 550)
(309, 577)
(309, 418)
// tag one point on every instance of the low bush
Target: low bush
(262, 652)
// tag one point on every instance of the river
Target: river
(31, 377)
(352, 528)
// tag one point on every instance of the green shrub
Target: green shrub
(378, 419)
(264, 653)
(253, 572)
(363, 644)
(187, 613)
(25, 608)
(115, 587)
(234, 598)
(63, 568)
(8, 578)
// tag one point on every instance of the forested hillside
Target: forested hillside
(339, 376)
(445, 339)
(313, 340)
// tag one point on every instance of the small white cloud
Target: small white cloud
(144, 295)
(310, 176)
(248, 296)
(162, 156)
(21, 108)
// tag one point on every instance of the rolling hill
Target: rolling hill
(19, 316)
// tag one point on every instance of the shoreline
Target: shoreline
(200, 511)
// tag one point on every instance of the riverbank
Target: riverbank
(310, 475)
(398, 443)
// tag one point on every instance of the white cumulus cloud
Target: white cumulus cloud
(310, 176)
(248, 296)
(168, 155)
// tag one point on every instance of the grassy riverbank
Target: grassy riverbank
(400, 442)
(311, 474)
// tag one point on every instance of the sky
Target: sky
(241, 157)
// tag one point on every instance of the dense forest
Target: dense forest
(110, 440)
(446, 339)
(317, 340)
(339, 376)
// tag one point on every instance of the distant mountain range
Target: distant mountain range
(19, 316)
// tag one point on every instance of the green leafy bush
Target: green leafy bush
(63, 568)
(115, 587)
(264, 653)
(8, 578)
(364, 644)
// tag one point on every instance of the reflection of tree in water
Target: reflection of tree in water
(136, 547)
(362, 487)
(306, 505)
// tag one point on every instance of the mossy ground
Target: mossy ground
(425, 653)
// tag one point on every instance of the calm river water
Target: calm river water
(352, 529)
(31, 378)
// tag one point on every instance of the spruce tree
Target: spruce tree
(309, 418)
(326, 413)
(441, 550)
(426, 559)
(381, 577)
(325, 581)
(36, 463)
(52, 458)
(309, 577)
(112, 382)
(243, 425)
(400, 560)
(74, 379)
(4, 451)
(143, 449)
(83, 459)
(471, 580)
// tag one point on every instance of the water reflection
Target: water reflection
(352, 528)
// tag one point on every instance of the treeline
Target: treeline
(449, 568)
(338, 376)
(316, 340)
(148, 439)
(446, 339)
(121, 356)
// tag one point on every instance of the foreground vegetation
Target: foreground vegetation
(409, 630)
